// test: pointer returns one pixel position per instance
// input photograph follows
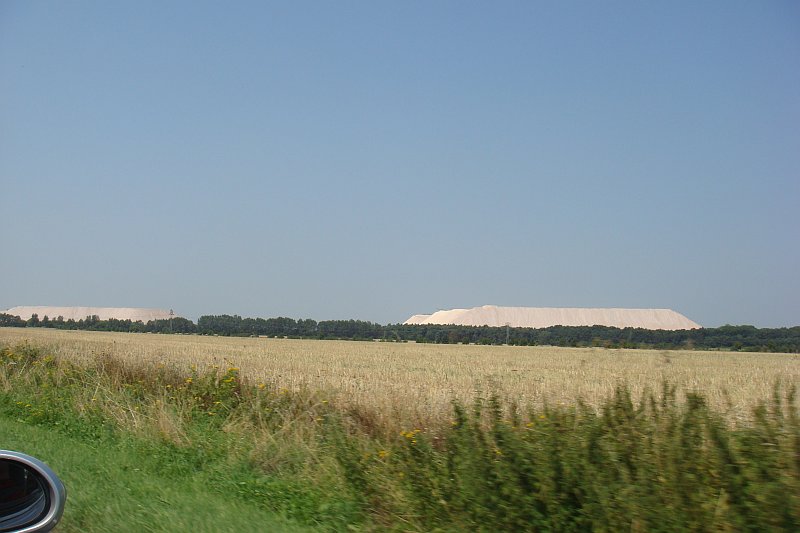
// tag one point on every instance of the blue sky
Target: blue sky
(374, 160)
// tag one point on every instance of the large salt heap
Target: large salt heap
(543, 317)
(80, 313)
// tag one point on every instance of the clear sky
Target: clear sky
(374, 160)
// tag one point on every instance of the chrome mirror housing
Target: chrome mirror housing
(32, 498)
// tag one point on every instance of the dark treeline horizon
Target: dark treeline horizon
(734, 338)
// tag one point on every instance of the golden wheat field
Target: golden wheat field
(417, 382)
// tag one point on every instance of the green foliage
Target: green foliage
(653, 466)
(113, 486)
(7, 320)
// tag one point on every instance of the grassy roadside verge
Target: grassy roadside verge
(237, 449)
(112, 487)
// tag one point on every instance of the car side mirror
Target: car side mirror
(32, 498)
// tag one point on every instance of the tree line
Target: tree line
(736, 338)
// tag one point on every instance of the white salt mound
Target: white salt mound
(80, 313)
(543, 317)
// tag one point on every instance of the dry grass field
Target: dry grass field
(416, 382)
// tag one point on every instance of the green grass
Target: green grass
(112, 486)
(169, 449)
